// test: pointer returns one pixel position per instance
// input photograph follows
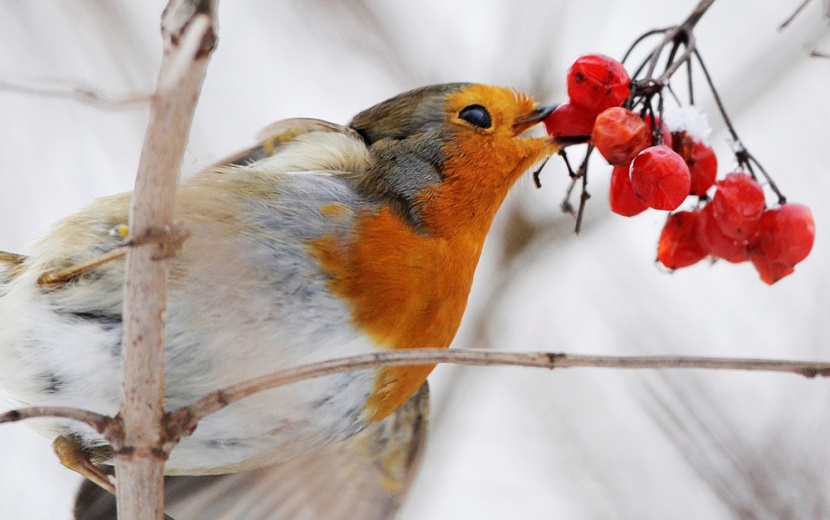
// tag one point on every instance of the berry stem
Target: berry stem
(687, 39)
(679, 34)
(584, 195)
(744, 157)
(789, 20)
(697, 14)
(691, 83)
(640, 40)
(718, 101)
(581, 173)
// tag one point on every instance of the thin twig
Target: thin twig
(215, 401)
(639, 40)
(187, 28)
(105, 425)
(688, 48)
(185, 419)
(718, 102)
(743, 155)
(583, 195)
(681, 33)
(789, 20)
(78, 91)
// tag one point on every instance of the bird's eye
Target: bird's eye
(476, 115)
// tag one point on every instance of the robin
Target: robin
(320, 242)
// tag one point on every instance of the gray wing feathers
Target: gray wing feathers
(275, 138)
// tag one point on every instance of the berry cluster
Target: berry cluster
(657, 166)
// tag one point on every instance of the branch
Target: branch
(187, 27)
(107, 426)
(184, 420)
(683, 30)
(792, 17)
(78, 91)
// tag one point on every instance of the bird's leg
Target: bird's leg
(71, 453)
(67, 274)
(169, 241)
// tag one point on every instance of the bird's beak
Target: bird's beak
(533, 118)
(570, 140)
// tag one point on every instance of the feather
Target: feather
(366, 476)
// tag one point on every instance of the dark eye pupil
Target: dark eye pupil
(476, 115)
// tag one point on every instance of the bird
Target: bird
(367, 476)
(321, 241)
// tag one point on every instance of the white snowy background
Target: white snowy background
(505, 443)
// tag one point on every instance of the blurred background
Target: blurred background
(517, 443)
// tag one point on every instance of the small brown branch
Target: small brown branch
(683, 32)
(185, 419)
(76, 91)
(698, 12)
(689, 47)
(107, 426)
(187, 28)
(744, 157)
(792, 17)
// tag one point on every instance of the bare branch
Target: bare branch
(792, 17)
(76, 91)
(684, 29)
(105, 425)
(185, 419)
(187, 28)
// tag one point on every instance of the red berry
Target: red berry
(737, 206)
(680, 244)
(785, 237)
(665, 133)
(619, 135)
(717, 243)
(569, 120)
(660, 177)
(771, 272)
(597, 82)
(701, 160)
(621, 197)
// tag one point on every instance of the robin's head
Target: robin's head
(446, 155)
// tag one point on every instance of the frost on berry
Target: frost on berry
(785, 238)
(621, 197)
(619, 135)
(596, 82)
(689, 120)
(569, 120)
(680, 244)
(660, 178)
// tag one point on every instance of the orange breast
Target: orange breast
(406, 291)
